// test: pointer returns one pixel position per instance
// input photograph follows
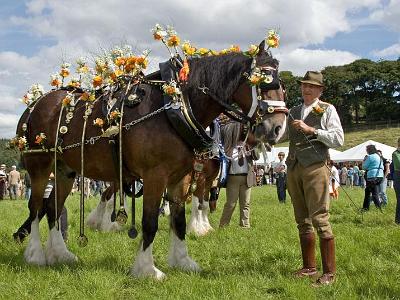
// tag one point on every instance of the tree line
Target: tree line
(363, 91)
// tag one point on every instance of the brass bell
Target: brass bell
(122, 217)
(82, 241)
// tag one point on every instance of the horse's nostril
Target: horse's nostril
(278, 129)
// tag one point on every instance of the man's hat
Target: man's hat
(313, 77)
(3, 166)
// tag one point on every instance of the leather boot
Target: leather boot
(307, 243)
(328, 262)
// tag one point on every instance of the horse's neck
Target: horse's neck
(205, 110)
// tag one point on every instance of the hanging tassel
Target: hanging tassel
(184, 72)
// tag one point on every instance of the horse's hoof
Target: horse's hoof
(186, 264)
(152, 272)
(132, 233)
(19, 236)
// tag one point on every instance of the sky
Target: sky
(37, 36)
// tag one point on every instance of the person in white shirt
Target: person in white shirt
(280, 175)
(314, 127)
(241, 175)
(334, 182)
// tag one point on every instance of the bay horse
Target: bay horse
(153, 151)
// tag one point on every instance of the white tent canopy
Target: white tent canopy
(357, 153)
(272, 157)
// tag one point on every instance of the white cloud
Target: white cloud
(388, 15)
(301, 60)
(389, 51)
(83, 27)
(8, 124)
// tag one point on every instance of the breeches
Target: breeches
(309, 189)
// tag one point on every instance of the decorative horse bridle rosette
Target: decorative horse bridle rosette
(172, 90)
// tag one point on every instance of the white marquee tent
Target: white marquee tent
(357, 153)
(272, 157)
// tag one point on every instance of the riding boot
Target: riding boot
(307, 243)
(328, 262)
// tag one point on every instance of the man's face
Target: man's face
(310, 91)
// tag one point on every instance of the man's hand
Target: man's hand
(303, 127)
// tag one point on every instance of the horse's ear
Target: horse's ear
(261, 47)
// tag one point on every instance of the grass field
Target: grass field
(237, 263)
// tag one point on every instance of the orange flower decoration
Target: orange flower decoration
(115, 115)
(142, 62)
(157, 36)
(97, 81)
(40, 139)
(120, 61)
(98, 122)
(55, 82)
(170, 90)
(66, 101)
(173, 41)
(318, 110)
(64, 72)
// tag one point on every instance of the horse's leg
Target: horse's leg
(106, 224)
(39, 168)
(206, 207)
(25, 228)
(96, 216)
(154, 185)
(196, 221)
(56, 250)
(178, 253)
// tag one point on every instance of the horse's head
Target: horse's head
(264, 103)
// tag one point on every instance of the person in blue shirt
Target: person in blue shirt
(373, 164)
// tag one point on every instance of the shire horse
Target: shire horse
(152, 150)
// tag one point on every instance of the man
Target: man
(396, 179)
(314, 127)
(14, 179)
(280, 171)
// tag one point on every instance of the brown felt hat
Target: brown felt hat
(313, 77)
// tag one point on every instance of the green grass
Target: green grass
(237, 263)
(386, 136)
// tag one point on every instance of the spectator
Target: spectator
(350, 176)
(241, 177)
(3, 181)
(14, 179)
(383, 184)
(343, 175)
(28, 186)
(334, 182)
(356, 175)
(373, 165)
(396, 179)
(280, 175)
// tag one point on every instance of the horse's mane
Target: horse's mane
(230, 134)
(222, 74)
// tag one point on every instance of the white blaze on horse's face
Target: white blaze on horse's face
(273, 124)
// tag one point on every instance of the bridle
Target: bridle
(260, 107)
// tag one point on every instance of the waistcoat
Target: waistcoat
(300, 149)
